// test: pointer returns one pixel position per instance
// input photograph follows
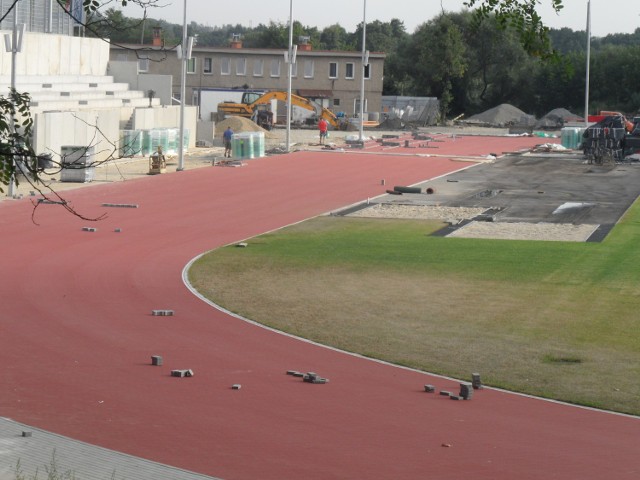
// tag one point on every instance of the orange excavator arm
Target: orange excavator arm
(245, 110)
(298, 101)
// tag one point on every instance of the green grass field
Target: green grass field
(555, 319)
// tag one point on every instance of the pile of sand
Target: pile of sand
(504, 115)
(239, 125)
(556, 118)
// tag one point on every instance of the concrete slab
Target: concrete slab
(38, 450)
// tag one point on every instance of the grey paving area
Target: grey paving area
(76, 460)
(533, 188)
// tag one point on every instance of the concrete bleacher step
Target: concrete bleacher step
(34, 87)
(42, 96)
(57, 79)
(62, 105)
(77, 92)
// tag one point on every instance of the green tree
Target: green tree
(273, 35)
(381, 36)
(15, 135)
(335, 37)
(437, 53)
(494, 60)
(565, 40)
(523, 16)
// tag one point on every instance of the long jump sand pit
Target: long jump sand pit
(525, 231)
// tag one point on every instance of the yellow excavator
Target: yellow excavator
(253, 103)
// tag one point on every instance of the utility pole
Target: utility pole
(364, 64)
(290, 60)
(13, 44)
(183, 89)
(586, 90)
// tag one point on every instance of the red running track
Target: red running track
(77, 336)
(459, 145)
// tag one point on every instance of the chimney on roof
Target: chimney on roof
(236, 41)
(304, 44)
(157, 37)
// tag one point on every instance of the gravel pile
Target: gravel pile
(504, 115)
(556, 118)
(418, 212)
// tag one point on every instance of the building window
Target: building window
(308, 69)
(333, 69)
(143, 65)
(367, 71)
(207, 65)
(241, 66)
(349, 71)
(258, 67)
(191, 65)
(336, 102)
(225, 66)
(275, 68)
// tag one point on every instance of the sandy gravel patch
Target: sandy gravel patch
(526, 231)
(562, 232)
(418, 212)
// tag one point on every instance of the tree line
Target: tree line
(469, 65)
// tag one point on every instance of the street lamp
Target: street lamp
(365, 61)
(586, 91)
(13, 44)
(185, 59)
(290, 60)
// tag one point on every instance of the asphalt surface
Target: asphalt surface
(535, 188)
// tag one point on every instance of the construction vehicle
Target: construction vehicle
(253, 103)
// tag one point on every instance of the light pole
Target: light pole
(183, 89)
(364, 61)
(586, 90)
(289, 74)
(16, 46)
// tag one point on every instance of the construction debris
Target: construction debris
(466, 391)
(402, 189)
(120, 205)
(476, 382)
(312, 377)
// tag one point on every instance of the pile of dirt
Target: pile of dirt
(504, 115)
(556, 119)
(239, 125)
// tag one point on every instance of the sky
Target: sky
(607, 16)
